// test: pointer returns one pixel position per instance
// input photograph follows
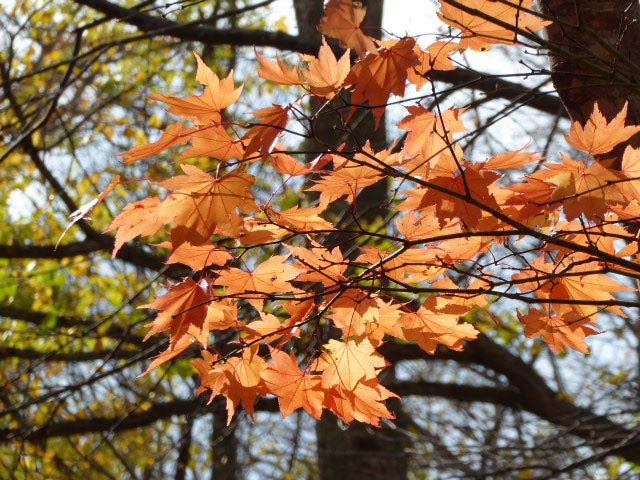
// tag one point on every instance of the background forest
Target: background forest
(76, 78)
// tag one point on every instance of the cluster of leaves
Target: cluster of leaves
(458, 236)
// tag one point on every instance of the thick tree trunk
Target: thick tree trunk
(595, 56)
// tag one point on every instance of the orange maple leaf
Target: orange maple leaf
(430, 327)
(378, 76)
(481, 31)
(583, 190)
(203, 205)
(294, 388)
(213, 141)
(199, 257)
(558, 332)
(347, 178)
(301, 219)
(287, 165)
(437, 56)
(568, 280)
(271, 124)
(271, 276)
(325, 74)
(182, 311)
(342, 21)
(513, 159)
(348, 363)
(364, 403)
(137, 218)
(599, 136)
(173, 134)
(277, 71)
(206, 108)
(322, 265)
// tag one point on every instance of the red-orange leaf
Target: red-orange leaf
(204, 205)
(271, 123)
(199, 257)
(342, 21)
(182, 310)
(481, 31)
(599, 136)
(271, 276)
(137, 218)
(277, 71)
(325, 74)
(430, 327)
(378, 76)
(293, 388)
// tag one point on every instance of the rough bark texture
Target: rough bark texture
(595, 56)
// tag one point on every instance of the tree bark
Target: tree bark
(595, 57)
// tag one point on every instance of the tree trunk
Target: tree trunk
(595, 57)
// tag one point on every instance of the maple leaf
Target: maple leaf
(213, 141)
(347, 363)
(271, 276)
(378, 76)
(173, 134)
(599, 136)
(559, 333)
(322, 265)
(430, 138)
(412, 265)
(277, 71)
(342, 21)
(352, 311)
(513, 159)
(571, 281)
(173, 351)
(137, 218)
(347, 178)
(287, 165)
(199, 257)
(182, 311)
(271, 327)
(238, 379)
(430, 327)
(481, 31)
(325, 74)
(262, 136)
(257, 231)
(583, 190)
(294, 388)
(301, 219)
(425, 225)
(364, 403)
(437, 56)
(631, 170)
(221, 315)
(247, 369)
(204, 205)
(206, 108)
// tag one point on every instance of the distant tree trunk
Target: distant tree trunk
(184, 449)
(355, 451)
(595, 56)
(224, 448)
